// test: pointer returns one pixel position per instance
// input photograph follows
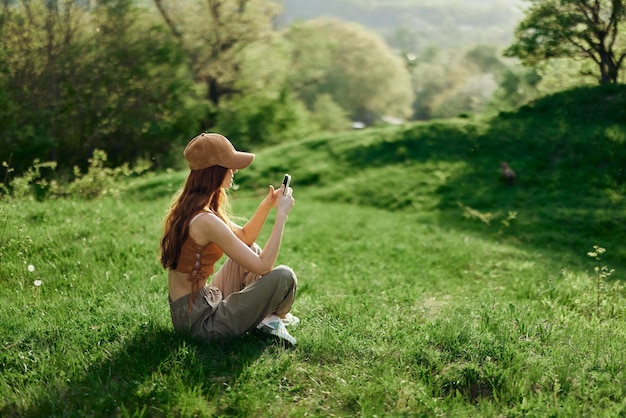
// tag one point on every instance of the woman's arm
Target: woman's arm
(251, 230)
(210, 228)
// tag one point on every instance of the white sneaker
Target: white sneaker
(274, 325)
(290, 320)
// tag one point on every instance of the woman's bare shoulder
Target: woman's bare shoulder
(207, 228)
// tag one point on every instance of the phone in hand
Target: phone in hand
(286, 182)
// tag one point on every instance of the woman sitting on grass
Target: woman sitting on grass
(247, 291)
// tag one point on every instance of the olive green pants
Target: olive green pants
(235, 301)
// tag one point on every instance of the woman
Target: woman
(247, 291)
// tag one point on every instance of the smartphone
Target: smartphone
(286, 182)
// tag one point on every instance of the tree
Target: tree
(452, 82)
(134, 84)
(36, 41)
(352, 66)
(73, 79)
(328, 115)
(240, 63)
(578, 29)
(517, 86)
(216, 35)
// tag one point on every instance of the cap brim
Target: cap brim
(240, 160)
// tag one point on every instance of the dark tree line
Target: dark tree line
(138, 81)
(73, 80)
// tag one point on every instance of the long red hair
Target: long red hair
(202, 189)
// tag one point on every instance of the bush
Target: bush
(255, 120)
(97, 181)
(31, 182)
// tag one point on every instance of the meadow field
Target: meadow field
(427, 287)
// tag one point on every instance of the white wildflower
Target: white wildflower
(31, 268)
(37, 283)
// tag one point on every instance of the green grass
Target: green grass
(426, 287)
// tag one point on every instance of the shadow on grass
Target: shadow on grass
(147, 372)
(568, 195)
(569, 155)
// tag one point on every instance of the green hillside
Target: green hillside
(568, 151)
(426, 286)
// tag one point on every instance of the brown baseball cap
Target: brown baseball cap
(208, 149)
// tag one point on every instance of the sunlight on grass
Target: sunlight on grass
(396, 312)
(427, 287)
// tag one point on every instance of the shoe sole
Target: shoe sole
(283, 336)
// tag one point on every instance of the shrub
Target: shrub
(97, 181)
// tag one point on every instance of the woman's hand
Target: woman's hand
(276, 199)
(285, 202)
(272, 197)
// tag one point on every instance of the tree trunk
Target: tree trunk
(609, 70)
(213, 93)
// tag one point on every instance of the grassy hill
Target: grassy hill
(568, 151)
(426, 286)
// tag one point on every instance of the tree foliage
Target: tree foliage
(352, 66)
(75, 79)
(241, 63)
(215, 35)
(138, 79)
(453, 82)
(580, 29)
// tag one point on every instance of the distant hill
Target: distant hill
(413, 25)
